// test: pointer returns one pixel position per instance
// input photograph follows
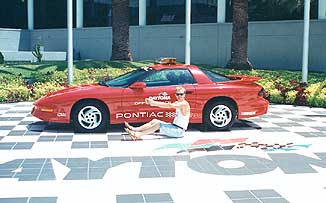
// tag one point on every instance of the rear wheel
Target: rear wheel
(90, 117)
(220, 115)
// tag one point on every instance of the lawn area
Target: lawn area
(25, 81)
(28, 69)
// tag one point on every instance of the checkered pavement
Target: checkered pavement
(19, 130)
(262, 159)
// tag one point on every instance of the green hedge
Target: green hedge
(282, 87)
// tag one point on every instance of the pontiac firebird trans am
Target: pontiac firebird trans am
(215, 100)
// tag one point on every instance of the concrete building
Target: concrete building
(157, 29)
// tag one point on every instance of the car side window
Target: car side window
(168, 77)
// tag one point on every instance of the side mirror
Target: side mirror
(138, 85)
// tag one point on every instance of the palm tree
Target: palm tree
(120, 30)
(239, 44)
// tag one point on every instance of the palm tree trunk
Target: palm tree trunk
(239, 45)
(120, 30)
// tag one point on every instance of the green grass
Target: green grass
(27, 69)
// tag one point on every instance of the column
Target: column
(188, 32)
(142, 12)
(305, 52)
(80, 14)
(221, 11)
(69, 41)
(321, 9)
(30, 14)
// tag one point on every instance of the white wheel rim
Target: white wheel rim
(220, 116)
(89, 117)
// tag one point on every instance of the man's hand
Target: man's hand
(149, 101)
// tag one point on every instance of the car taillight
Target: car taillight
(262, 93)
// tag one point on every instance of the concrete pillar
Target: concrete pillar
(188, 32)
(142, 12)
(305, 52)
(221, 11)
(70, 41)
(79, 13)
(30, 14)
(321, 9)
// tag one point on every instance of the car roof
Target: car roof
(200, 77)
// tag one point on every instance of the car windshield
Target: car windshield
(126, 79)
(215, 77)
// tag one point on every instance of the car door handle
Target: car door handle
(189, 92)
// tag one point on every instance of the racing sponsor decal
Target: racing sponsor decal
(249, 113)
(61, 114)
(140, 115)
(231, 144)
(163, 96)
(139, 103)
(159, 114)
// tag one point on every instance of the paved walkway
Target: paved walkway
(275, 158)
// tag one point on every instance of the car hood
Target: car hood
(76, 89)
(76, 93)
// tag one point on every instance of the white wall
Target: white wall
(271, 44)
(14, 39)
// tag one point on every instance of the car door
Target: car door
(160, 86)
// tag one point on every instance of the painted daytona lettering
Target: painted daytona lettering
(304, 164)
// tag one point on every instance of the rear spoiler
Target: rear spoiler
(246, 78)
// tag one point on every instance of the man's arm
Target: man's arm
(165, 105)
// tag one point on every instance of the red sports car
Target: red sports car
(215, 100)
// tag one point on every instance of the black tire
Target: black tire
(90, 117)
(219, 115)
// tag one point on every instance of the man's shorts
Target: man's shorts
(171, 130)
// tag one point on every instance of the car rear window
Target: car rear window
(215, 77)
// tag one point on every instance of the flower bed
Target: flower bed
(282, 87)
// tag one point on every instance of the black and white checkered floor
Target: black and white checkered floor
(278, 157)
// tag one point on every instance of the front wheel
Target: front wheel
(90, 117)
(220, 115)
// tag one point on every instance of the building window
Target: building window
(173, 12)
(13, 14)
(274, 10)
(52, 14)
(134, 12)
(165, 12)
(98, 13)
(203, 11)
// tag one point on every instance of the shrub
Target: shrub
(37, 52)
(16, 93)
(276, 96)
(3, 94)
(41, 89)
(317, 94)
(281, 86)
(290, 97)
(51, 76)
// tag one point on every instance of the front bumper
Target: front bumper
(50, 114)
